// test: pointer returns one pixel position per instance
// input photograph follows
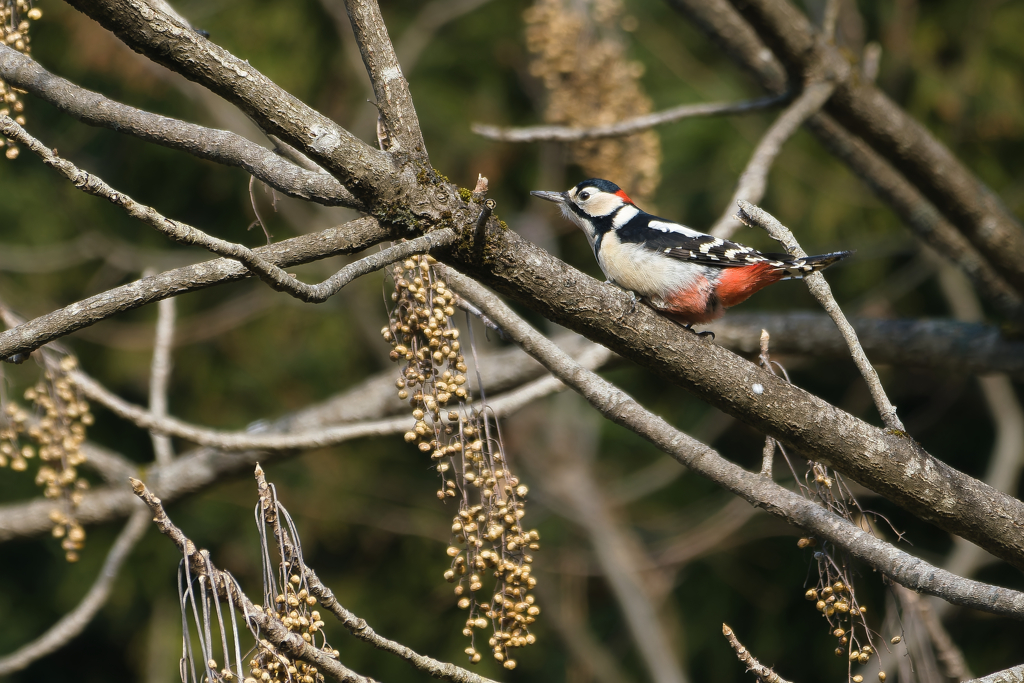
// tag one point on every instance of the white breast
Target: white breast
(639, 269)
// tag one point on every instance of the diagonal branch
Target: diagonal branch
(258, 620)
(219, 146)
(761, 492)
(348, 238)
(356, 626)
(266, 271)
(888, 463)
(754, 178)
(165, 40)
(754, 216)
(72, 623)
(394, 102)
(628, 126)
(866, 111)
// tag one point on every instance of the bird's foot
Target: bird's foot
(702, 335)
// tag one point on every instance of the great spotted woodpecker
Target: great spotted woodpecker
(686, 275)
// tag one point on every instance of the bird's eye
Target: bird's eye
(584, 196)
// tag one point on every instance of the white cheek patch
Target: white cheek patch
(601, 204)
(624, 215)
(665, 226)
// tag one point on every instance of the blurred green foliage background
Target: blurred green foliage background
(369, 520)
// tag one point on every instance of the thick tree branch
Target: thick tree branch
(890, 464)
(618, 407)
(628, 126)
(1012, 675)
(869, 113)
(348, 238)
(219, 146)
(165, 40)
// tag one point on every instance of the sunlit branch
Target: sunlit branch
(618, 407)
(219, 146)
(754, 179)
(754, 216)
(628, 126)
(760, 671)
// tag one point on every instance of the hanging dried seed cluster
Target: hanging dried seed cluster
(293, 608)
(56, 431)
(14, 24)
(834, 597)
(579, 53)
(487, 534)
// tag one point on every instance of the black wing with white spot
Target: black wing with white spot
(686, 244)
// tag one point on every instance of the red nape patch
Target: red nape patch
(736, 284)
(621, 194)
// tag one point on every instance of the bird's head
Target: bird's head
(591, 204)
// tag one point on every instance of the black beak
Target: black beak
(556, 197)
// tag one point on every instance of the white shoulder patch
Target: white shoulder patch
(665, 226)
(624, 215)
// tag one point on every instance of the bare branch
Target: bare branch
(166, 41)
(868, 112)
(268, 627)
(159, 375)
(266, 271)
(219, 146)
(195, 470)
(1012, 675)
(754, 178)
(72, 623)
(628, 126)
(389, 85)
(754, 216)
(723, 24)
(344, 239)
(762, 672)
(888, 463)
(946, 345)
(356, 626)
(618, 407)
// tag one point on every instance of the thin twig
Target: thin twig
(505, 404)
(223, 583)
(273, 276)
(756, 217)
(72, 623)
(357, 626)
(754, 179)
(768, 453)
(347, 238)
(763, 673)
(628, 126)
(159, 375)
(618, 407)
